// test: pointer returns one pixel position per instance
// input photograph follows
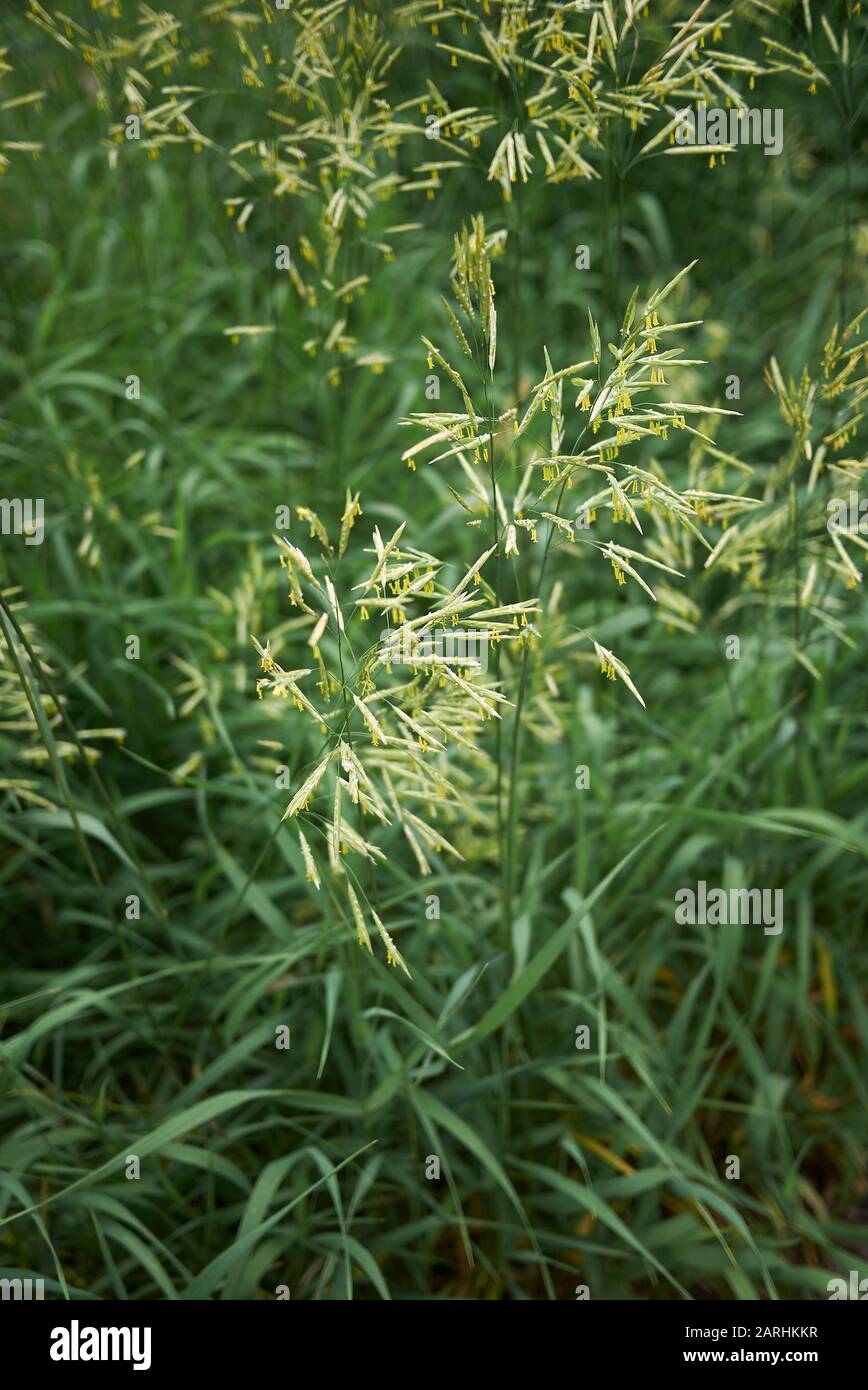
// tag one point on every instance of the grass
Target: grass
(158, 924)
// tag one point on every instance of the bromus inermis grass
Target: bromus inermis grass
(410, 351)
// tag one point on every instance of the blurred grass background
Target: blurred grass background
(155, 1036)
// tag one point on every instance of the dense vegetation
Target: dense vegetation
(247, 273)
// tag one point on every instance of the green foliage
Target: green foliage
(408, 187)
